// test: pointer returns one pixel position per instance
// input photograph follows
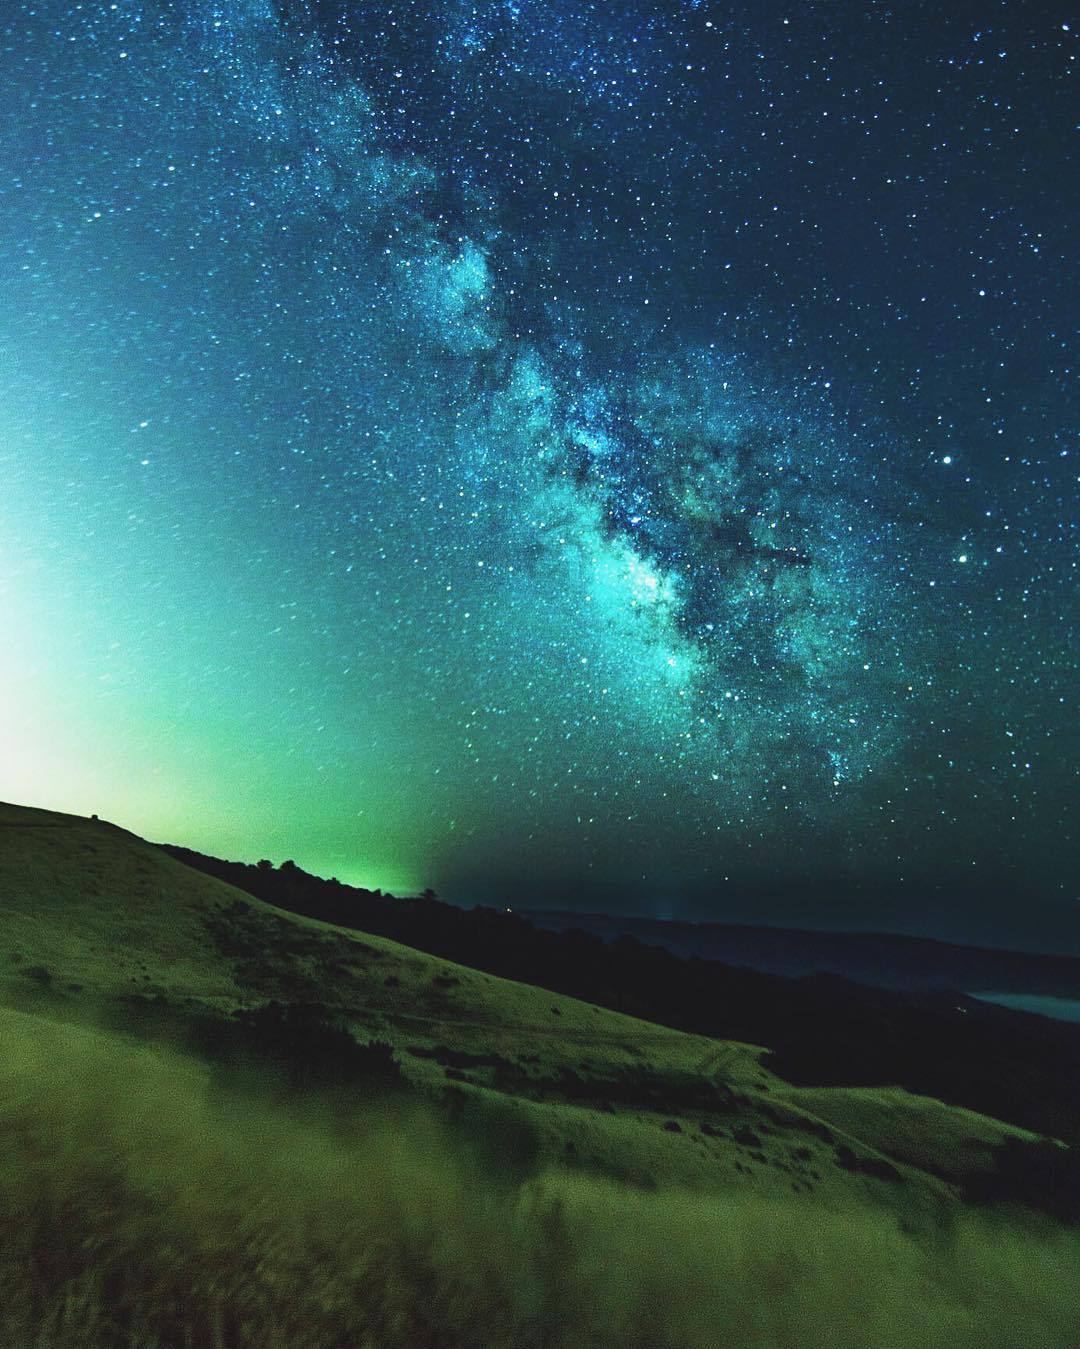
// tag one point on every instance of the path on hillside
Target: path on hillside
(719, 1055)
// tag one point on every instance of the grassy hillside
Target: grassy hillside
(94, 919)
(820, 1029)
(196, 1135)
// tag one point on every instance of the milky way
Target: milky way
(549, 451)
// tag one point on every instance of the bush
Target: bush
(304, 1042)
(1041, 1175)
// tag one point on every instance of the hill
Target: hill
(94, 918)
(886, 959)
(821, 1029)
(204, 1091)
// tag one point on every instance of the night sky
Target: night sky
(616, 455)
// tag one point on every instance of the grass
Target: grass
(145, 1206)
(226, 1126)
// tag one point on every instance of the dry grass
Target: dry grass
(143, 1206)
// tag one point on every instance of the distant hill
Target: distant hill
(888, 960)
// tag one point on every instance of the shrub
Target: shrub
(1042, 1175)
(304, 1042)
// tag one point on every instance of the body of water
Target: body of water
(1061, 1009)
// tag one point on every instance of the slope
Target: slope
(100, 925)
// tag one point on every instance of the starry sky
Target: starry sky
(602, 453)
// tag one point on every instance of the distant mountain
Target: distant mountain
(886, 960)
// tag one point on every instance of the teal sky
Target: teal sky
(600, 457)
